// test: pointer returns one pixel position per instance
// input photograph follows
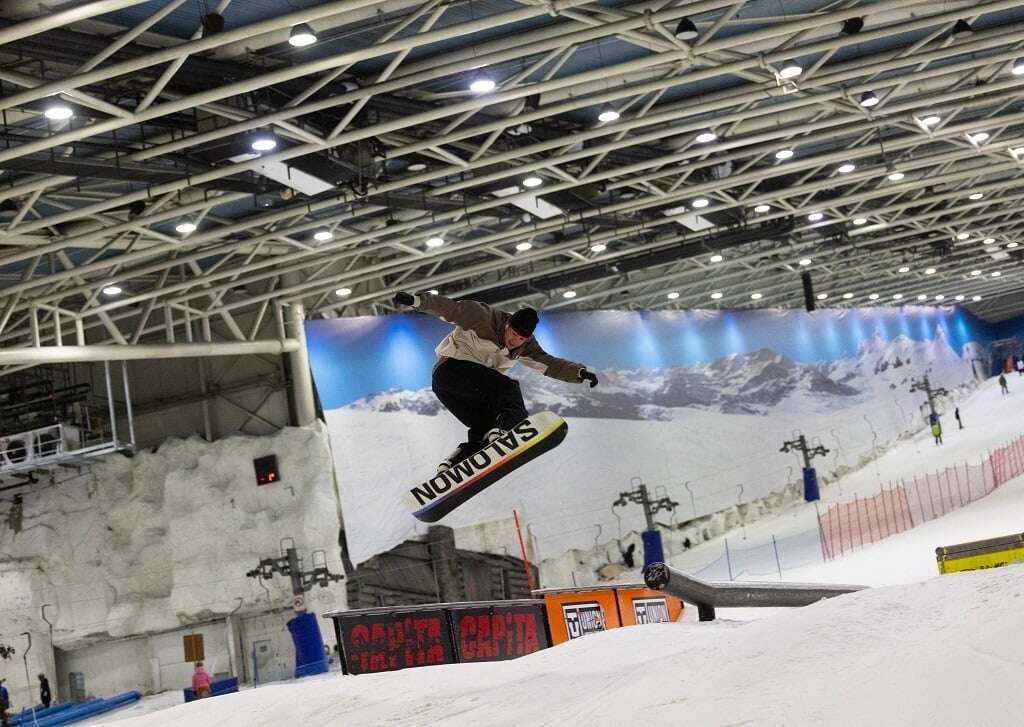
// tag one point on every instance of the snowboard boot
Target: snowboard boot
(461, 452)
(493, 434)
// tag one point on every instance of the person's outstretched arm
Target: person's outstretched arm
(468, 314)
(557, 368)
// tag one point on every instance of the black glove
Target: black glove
(588, 376)
(405, 299)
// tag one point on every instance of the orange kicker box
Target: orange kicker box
(576, 612)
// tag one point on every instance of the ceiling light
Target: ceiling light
(715, 258)
(922, 296)
(301, 35)
(961, 28)
(598, 247)
(897, 296)
(532, 181)
(58, 111)
(940, 297)
(569, 294)
(686, 30)
(112, 290)
(963, 235)
(1018, 67)
(342, 292)
(975, 196)
(860, 221)
(822, 296)
(263, 141)
(976, 298)
(931, 120)
(756, 296)
(716, 296)
(873, 296)
(896, 176)
(805, 261)
(868, 99)
(323, 235)
(846, 168)
(792, 69)
(904, 269)
(608, 114)
(700, 203)
(975, 272)
(434, 291)
(959, 297)
(978, 136)
(524, 246)
(988, 240)
(1017, 151)
(816, 216)
(435, 241)
(482, 85)
(847, 296)
(1011, 245)
(417, 167)
(184, 228)
(706, 137)
(783, 153)
(996, 274)
(762, 208)
(673, 295)
(929, 271)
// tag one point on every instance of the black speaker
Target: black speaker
(809, 303)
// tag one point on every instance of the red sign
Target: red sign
(499, 633)
(395, 641)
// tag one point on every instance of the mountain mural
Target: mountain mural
(755, 383)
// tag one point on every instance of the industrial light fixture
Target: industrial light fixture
(435, 241)
(342, 292)
(301, 36)
(929, 271)
(700, 203)
(846, 168)
(903, 269)
(706, 137)
(483, 84)
(524, 246)
(686, 30)
(975, 196)
(532, 181)
(805, 261)
(931, 120)
(673, 295)
(961, 28)
(996, 274)
(263, 141)
(417, 167)
(816, 216)
(988, 240)
(1011, 245)
(922, 296)
(323, 235)
(873, 296)
(715, 258)
(184, 228)
(598, 247)
(940, 297)
(978, 136)
(860, 221)
(976, 298)
(963, 235)
(975, 272)
(608, 114)
(959, 297)
(895, 176)
(897, 296)
(756, 296)
(822, 296)
(57, 110)
(1018, 67)
(791, 69)
(569, 294)
(434, 291)
(868, 99)
(847, 296)
(783, 154)
(112, 290)
(716, 296)
(762, 208)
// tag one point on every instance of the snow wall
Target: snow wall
(695, 404)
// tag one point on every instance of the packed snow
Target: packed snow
(918, 649)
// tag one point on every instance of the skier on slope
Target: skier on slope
(469, 376)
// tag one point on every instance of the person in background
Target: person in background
(5, 703)
(1002, 384)
(44, 691)
(956, 413)
(201, 681)
(937, 431)
(1020, 366)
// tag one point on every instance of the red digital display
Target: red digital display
(266, 470)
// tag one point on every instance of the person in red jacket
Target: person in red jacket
(470, 378)
(201, 681)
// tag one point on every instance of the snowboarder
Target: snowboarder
(956, 413)
(469, 376)
(1002, 383)
(44, 691)
(937, 431)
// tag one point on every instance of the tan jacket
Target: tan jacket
(479, 337)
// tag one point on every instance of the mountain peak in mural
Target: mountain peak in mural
(754, 383)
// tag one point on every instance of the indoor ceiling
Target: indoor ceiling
(184, 160)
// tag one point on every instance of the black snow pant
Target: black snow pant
(479, 397)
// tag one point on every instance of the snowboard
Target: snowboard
(432, 500)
